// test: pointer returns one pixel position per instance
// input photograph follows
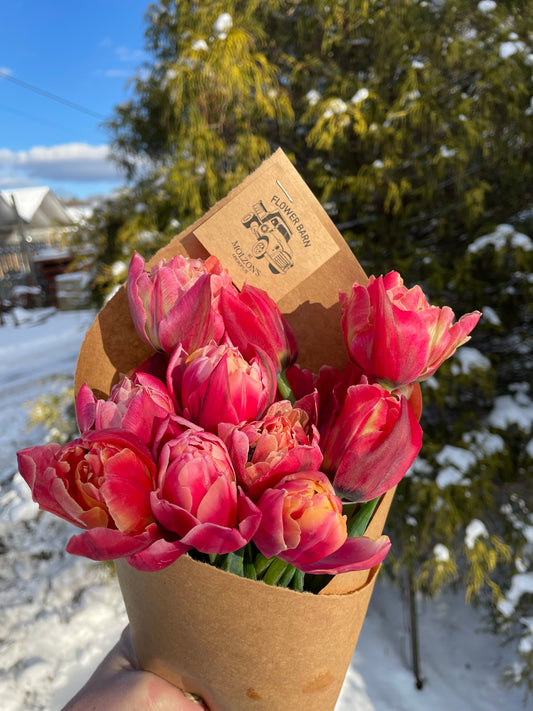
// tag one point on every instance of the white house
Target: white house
(36, 213)
(35, 228)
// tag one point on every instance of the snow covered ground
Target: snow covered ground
(60, 614)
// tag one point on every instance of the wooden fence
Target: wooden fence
(14, 261)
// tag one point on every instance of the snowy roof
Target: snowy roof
(79, 213)
(27, 200)
(35, 206)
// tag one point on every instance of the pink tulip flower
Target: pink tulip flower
(370, 442)
(253, 320)
(216, 384)
(171, 427)
(177, 301)
(138, 404)
(100, 482)
(330, 387)
(302, 524)
(198, 500)
(394, 335)
(266, 450)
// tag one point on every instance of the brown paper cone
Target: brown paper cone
(241, 644)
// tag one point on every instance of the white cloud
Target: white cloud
(77, 162)
(9, 181)
(116, 73)
(125, 54)
(6, 71)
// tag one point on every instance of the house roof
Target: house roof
(38, 207)
(27, 200)
(8, 216)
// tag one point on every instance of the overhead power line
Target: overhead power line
(49, 95)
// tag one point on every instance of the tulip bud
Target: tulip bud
(370, 443)
(302, 519)
(253, 320)
(216, 384)
(177, 301)
(198, 500)
(138, 404)
(394, 335)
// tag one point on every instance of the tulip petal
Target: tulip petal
(270, 536)
(359, 553)
(398, 347)
(218, 505)
(85, 408)
(157, 556)
(212, 538)
(126, 492)
(174, 518)
(109, 544)
(191, 320)
(448, 338)
(37, 466)
(137, 307)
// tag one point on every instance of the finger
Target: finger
(126, 647)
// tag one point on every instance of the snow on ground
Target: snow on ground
(61, 614)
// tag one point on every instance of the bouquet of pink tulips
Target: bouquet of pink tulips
(213, 458)
(220, 446)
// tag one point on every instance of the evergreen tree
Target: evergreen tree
(411, 121)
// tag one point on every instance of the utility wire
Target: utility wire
(49, 95)
(32, 117)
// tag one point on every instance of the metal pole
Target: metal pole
(414, 630)
(24, 243)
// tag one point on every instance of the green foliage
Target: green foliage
(55, 412)
(199, 117)
(482, 558)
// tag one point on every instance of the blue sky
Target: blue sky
(83, 53)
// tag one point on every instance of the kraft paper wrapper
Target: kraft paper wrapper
(238, 643)
(242, 645)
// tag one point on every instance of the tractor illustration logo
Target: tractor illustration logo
(272, 235)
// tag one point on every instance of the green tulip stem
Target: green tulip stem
(284, 388)
(360, 518)
(261, 564)
(248, 563)
(286, 579)
(298, 580)
(276, 571)
(233, 562)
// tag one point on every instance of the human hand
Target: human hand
(118, 684)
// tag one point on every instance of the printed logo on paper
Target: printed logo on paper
(269, 235)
